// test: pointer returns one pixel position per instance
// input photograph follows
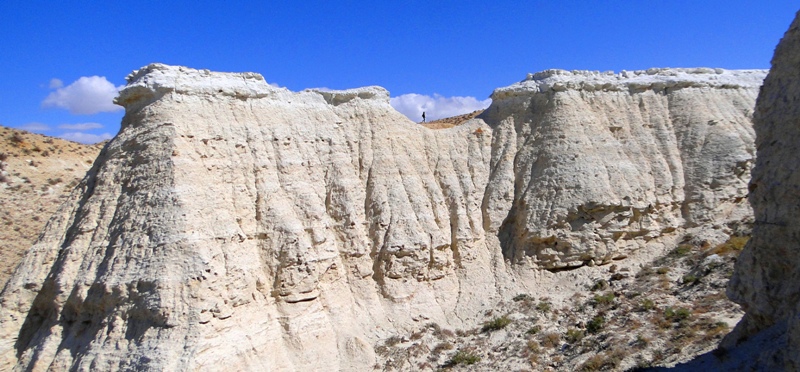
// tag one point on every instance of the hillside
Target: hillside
(37, 174)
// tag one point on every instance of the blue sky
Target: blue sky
(61, 61)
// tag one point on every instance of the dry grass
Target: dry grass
(733, 246)
(36, 175)
(451, 121)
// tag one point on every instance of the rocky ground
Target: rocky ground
(670, 310)
(36, 173)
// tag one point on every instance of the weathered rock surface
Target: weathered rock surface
(587, 167)
(231, 223)
(767, 274)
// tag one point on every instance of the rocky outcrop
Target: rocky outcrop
(768, 270)
(588, 167)
(232, 223)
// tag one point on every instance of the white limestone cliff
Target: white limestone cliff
(587, 167)
(234, 224)
(767, 272)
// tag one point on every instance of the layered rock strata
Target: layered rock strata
(765, 281)
(232, 223)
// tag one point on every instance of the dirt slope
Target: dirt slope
(36, 173)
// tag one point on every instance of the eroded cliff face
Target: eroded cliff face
(767, 273)
(231, 223)
(588, 167)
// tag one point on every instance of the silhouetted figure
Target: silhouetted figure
(423, 116)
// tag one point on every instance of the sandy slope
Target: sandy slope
(36, 173)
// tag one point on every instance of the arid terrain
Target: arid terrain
(36, 174)
(452, 121)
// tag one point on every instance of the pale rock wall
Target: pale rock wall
(767, 273)
(232, 224)
(587, 167)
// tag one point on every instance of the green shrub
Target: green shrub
(682, 250)
(543, 306)
(521, 297)
(647, 305)
(606, 299)
(574, 335)
(600, 285)
(677, 315)
(464, 357)
(596, 324)
(690, 279)
(496, 324)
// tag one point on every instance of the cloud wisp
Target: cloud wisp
(436, 107)
(35, 127)
(86, 138)
(81, 126)
(87, 95)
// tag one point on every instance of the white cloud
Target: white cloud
(87, 95)
(413, 105)
(56, 83)
(81, 137)
(81, 126)
(35, 127)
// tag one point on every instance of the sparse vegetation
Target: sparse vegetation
(682, 250)
(543, 306)
(496, 324)
(596, 324)
(16, 139)
(442, 346)
(394, 340)
(521, 297)
(573, 335)
(605, 299)
(600, 285)
(677, 315)
(551, 339)
(464, 357)
(690, 279)
(733, 246)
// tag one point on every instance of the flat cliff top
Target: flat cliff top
(654, 78)
(157, 79)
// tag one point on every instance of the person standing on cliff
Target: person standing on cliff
(423, 116)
